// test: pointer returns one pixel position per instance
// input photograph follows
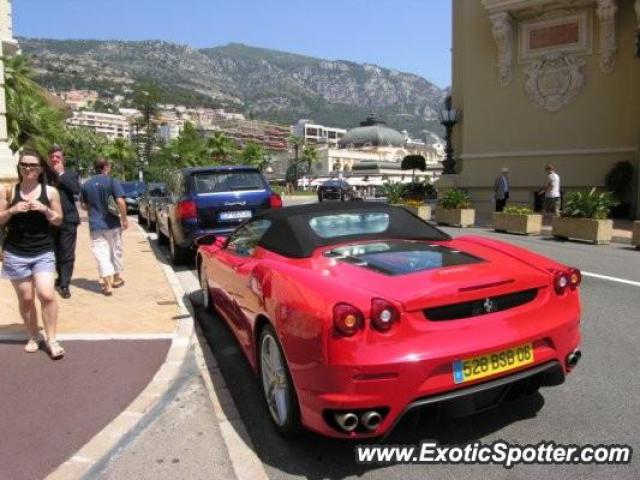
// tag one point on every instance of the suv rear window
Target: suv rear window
(218, 182)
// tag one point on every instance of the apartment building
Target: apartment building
(314, 133)
(111, 125)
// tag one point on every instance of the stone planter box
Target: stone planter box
(423, 211)
(635, 238)
(459, 217)
(521, 224)
(587, 229)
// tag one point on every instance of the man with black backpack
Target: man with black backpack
(103, 197)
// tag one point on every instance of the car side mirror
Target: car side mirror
(207, 239)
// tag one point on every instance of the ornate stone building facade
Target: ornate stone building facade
(545, 81)
(8, 46)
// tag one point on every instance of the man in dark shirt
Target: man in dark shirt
(105, 226)
(66, 234)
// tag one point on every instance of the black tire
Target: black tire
(141, 219)
(291, 425)
(179, 255)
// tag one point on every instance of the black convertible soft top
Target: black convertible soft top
(291, 235)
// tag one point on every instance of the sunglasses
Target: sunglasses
(29, 166)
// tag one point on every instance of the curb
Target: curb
(105, 441)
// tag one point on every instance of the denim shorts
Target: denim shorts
(16, 267)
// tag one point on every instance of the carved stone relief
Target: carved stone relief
(502, 29)
(606, 12)
(554, 80)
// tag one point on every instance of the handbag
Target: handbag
(112, 205)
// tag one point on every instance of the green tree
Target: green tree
(30, 119)
(123, 156)
(413, 162)
(188, 150)
(81, 147)
(221, 148)
(253, 154)
(309, 156)
(146, 96)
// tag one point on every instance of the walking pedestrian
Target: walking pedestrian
(103, 197)
(551, 191)
(67, 233)
(28, 211)
(501, 189)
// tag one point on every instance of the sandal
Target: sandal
(106, 290)
(118, 284)
(33, 344)
(56, 351)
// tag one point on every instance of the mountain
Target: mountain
(267, 84)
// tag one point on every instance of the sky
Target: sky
(407, 35)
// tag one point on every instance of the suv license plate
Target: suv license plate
(237, 215)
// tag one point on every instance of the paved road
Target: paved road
(48, 410)
(599, 403)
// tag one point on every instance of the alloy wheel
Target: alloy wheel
(204, 285)
(274, 380)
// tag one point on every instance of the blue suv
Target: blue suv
(209, 200)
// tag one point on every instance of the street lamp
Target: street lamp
(448, 118)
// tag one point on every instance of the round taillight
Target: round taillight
(561, 282)
(347, 319)
(383, 314)
(575, 278)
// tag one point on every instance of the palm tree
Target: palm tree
(221, 148)
(123, 155)
(310, 156)
(30, 120)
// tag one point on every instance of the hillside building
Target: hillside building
(111, 125)
(317, 134)
(370, 155)
(545, 81)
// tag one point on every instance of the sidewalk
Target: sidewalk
(122, 354)
(622, 229)
(145, 306)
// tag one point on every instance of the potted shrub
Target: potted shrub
(454, 209)
(394, 193)
(635, 238)
(418, 208)
(584, 217)
(520, 220)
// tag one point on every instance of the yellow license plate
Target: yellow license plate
(485, 365)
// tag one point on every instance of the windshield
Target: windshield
(131, 188)
(218, 182)
(157, 190)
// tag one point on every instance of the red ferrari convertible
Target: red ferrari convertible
(354, 314)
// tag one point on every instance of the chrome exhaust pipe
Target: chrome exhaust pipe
(371, 420)
(348, 421)
(573, 358)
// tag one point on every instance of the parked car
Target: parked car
(149, 201)
(132, 192)
(335, 190)
(353, 314)
(210, 200)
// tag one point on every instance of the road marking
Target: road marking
(611, 279)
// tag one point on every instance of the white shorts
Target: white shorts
(106, 246)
